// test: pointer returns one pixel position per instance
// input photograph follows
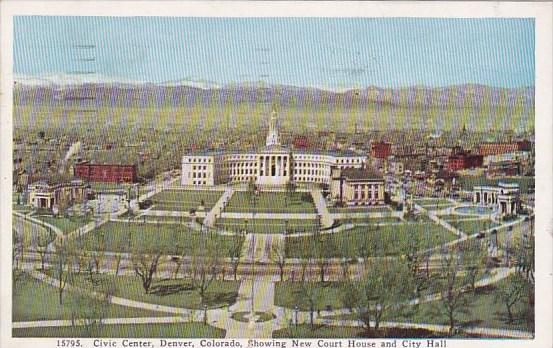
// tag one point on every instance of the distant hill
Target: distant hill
(52, 91)
(478, 107)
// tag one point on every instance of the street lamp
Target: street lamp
(205, 314)
(296, 309)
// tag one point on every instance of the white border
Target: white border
(541, 11)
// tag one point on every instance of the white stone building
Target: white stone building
(274, 165)
(504, 198)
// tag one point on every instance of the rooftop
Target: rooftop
(361, 174)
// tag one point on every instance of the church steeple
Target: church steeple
(272, 136)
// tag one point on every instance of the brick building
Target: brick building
(116, 173)
(488, 149)
(462, 161)
(381, 150)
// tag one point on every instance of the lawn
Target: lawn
(326, 331)
(271, 202)
(482, 310)
(66, 224)
(36, 300)
(289, 294)
(369, 220)
(359, 209)
(149, 238)
(164, 219)
(428, 202)
(473, 226)
(380, 240)
(180, 200)
(268, 225)
(169, 292)
(177, 330)
(22, 208)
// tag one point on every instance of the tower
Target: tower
(272, 136)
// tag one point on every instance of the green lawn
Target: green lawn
(428, 202)
(289, 294)
(180, 200)
(468, 182)
(169, 292)
(22, 208)
(362, 219)
(271, 202)
(268, 225)
(473, 226)
(66, 224)
(305, 330)
(381, 240)
(149, 238)
(177, 330)
(482, 310)
(359, 209)
(36, 300)
(165, 219)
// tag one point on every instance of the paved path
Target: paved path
(279, 216)
(263, 301)
(434, 217)
(218, 207)
(320, 203)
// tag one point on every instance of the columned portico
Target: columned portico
(273, 168)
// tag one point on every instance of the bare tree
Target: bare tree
(413, 260)
(64, 267)
(204, 270)
(235, 253)
(474, 259)
(99, 253)
(453, 300)
(310, 293)
(17, 253)
(145, 267)
(321, 251)
(350, 295)
(278, 256)
(384, 288)
(44, 242)
(511, 292)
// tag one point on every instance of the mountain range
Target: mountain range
(102, 91)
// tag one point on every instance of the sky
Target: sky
(318, 52)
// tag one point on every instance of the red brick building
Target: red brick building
(488, 149)
(381, 150)
(464, 161)
(116, 173)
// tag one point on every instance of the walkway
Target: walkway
(218, 207)
(258, 248)
(320, 204)
(263, 301)
(434, 217)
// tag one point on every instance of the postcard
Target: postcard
(276, 174)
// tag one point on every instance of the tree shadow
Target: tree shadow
(218, 299)
(165, 289)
